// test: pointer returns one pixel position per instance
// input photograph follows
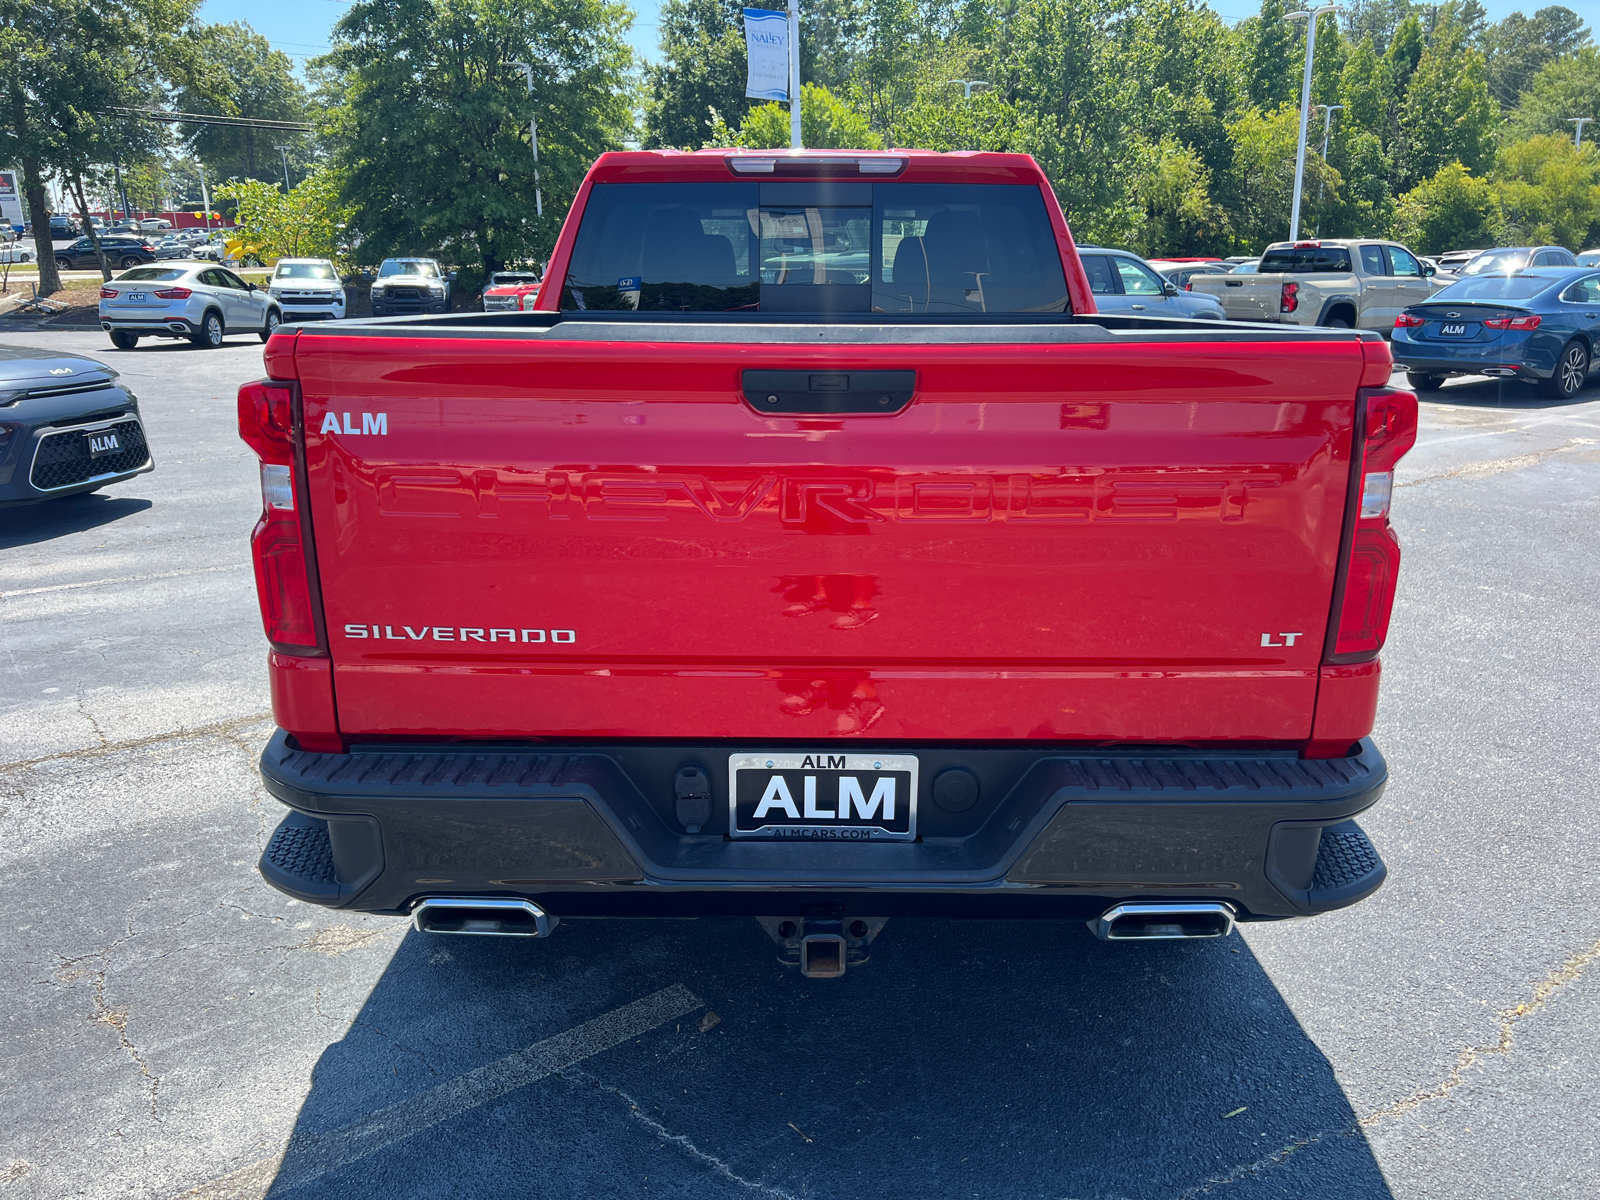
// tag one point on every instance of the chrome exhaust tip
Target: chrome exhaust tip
(488, 918)
(1162, 922)
(1499, 372)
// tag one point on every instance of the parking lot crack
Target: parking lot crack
(1276, 1159)
(1498, 466)
(94, 724)
(113, 1017)
(1559, 977)
(681, 1141)
(217, 729)
(1473, 1056)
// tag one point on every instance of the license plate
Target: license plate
(102, 444)
(1452, 330)
(136, 296)
(823, 796)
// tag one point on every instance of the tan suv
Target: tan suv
(1350, 283)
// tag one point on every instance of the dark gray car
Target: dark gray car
(66, 426)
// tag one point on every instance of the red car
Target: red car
(510, 291)
(816, 552)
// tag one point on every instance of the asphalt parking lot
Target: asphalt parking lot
(177, 1028)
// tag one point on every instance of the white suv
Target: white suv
(199, 301)
(309, 289)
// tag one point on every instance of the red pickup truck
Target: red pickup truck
(814, 551)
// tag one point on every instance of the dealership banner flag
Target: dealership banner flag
(766, 38)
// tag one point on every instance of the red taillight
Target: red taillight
(108, 293)
(283, 582)
(1528, 322)
(1408, 321)
(1372, 569)
(148, 249)
(174, 294)
(1291, 298)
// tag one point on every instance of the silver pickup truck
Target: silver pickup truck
(1344, 284)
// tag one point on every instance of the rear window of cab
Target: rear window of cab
(815, 246)
(1305, 260)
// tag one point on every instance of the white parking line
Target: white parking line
(89, 583)
(309, 1158)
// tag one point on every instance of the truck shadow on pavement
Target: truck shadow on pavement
(30, 524)
(678, 1058)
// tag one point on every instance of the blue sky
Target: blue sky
(300, 28)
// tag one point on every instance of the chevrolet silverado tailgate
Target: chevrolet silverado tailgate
(593, 532)
(1243, 297)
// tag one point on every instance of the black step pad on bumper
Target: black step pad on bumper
(581, 828)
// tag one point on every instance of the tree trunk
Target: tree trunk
(33, 182)
(94, 237)
(33, 185)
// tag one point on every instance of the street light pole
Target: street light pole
(968, 84)
(1577, 133)
(796, 92)
(284, 151)
(533, 138)
(1311, 18)
(1322, 176)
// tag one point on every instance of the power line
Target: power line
(183, 118)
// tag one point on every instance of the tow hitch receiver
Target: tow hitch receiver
(822, 947)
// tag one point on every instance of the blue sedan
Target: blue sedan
(1540, 325)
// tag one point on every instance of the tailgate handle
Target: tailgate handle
(832, 392)
(1234, 282)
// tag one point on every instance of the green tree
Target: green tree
(1517, 48)
(1328, 68)
(1263, 170)
(1375, 19)
(1366, 89)
(68, 63)
(308, 222)
(1180, 215)
(1072, 95)
(1568, 88)
(251, 80)
(432, 124)
(943, 119)
(1447, 114)
(1452, 210)
(826, 123)
(701, 73)
(1549, 190)
(1405, 52)
(1273, 51)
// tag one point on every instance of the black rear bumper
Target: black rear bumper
(591, 830)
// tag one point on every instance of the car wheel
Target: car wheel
(271, 326)
(1424, 383)
(130, 260)
(210, 335)
(123, 340)
(63, 264)
(1572, 371)
(1339, 322)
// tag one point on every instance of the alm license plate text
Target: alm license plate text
(823, 796)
